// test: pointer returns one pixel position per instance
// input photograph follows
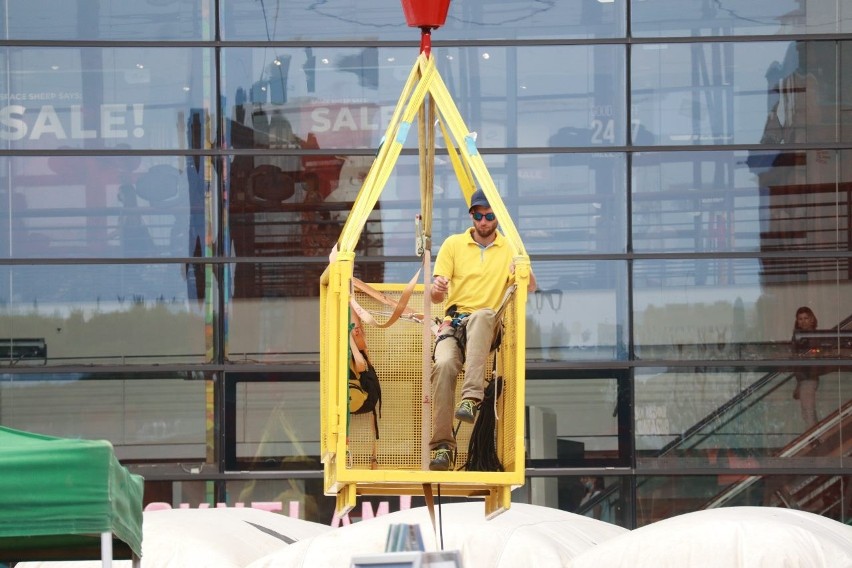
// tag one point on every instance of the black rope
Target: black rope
(482, 449)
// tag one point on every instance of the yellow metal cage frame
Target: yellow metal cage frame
(355, 462)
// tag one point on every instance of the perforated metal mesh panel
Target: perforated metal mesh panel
(396, 353)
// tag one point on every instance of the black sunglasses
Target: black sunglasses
(488, 216)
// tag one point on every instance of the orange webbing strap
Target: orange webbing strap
(399, 307)
(357, 343)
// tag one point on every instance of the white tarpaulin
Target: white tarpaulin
(733, 537)
(221, 538)
(525, 535)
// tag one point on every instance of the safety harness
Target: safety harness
(457, 322)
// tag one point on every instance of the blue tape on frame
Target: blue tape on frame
(402, 133)
(470, 143)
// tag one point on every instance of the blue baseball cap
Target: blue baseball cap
(478, 199)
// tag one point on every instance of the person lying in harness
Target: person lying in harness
(472, 272)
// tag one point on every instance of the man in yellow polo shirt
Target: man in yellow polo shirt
(472, 271)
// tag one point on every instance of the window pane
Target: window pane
(733, 308)
(146, 417)
(274, 313)
(107, 20)
(472, 19)
(291, 206)
(276, 424)
(598, 497)
(845, 102)
(756, 17)
(331, 97)
(663, 497)
(567, 203)
(566, 96)
(560, 203)
(803, 207)
(739, 201)
(777, 92)
(104, 206)
(687, 417)
(116, 98)
(572, 421)
(575, 313)
(106, 314)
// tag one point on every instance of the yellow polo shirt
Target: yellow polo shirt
(478, 275)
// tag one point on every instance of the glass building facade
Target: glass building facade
(173, 174)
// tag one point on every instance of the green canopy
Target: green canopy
(59, 495)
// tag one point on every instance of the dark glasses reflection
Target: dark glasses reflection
(488, 216)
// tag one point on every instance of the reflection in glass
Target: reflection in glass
(306, 224)
(777, 92)
(107, 20)
(276, 428)
(575, 314)
(273, 318)
(801, 98)
(603, 498)
(578, 103)
(730, 308)
(594, 496)
(845, 89)
(739, 201)
(804, 208)
(573, 421)
(146, 416)
(276, 424)
(333, 97)
(296, 497)
(104, 206)
(107, 314)
(692, 417)
(472, 19)
(115, 98)
(670, 18)
(565, 203)
(691, 201)
(667, 496)
(311, 98)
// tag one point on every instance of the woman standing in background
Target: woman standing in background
(807, 379)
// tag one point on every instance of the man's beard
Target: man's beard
(485, 231)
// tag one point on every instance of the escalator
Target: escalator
(829, 495)
(824, 443)
(757, 391)
(742, 429)
(821, 494)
